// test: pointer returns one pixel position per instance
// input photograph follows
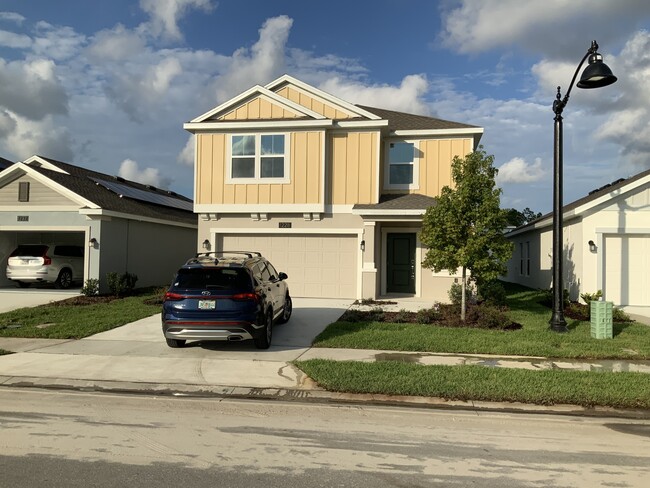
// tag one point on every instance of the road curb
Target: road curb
(313, 395)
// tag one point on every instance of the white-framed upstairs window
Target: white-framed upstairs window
(402, 168)
(258, 158)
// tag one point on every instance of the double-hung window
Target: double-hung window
(259, 158)
(402, 168)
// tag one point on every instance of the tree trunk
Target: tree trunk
(463, 301)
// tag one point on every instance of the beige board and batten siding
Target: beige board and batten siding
(306, 174)
(354, 168)
(312, 103)
(318, 265)
(258, 108)
(39, 194)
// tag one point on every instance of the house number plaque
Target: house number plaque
(284, 225)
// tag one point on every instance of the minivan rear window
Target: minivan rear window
(33, 250)
(217, 278)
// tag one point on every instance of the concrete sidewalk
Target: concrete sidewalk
(134, 358)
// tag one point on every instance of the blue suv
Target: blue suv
(227, 296)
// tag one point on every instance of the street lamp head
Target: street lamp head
(596, 74)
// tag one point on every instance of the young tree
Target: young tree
(465, 227)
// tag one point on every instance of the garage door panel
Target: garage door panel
(317, 265)
(627, 269)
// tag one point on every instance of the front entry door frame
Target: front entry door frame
(384, 256)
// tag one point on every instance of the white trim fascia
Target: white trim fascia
(608, 196)
(45, 228)
(379, 168)
(247, 208)
(312, 90)
(436, 132)
(361, 124)
(396, 212)
(110, 213)
(263, 92)
(44, 164)
(250, 125)
(293, 230)
(622, 231)
(41, 208)
(19, 166)
(323, 170)
(338, 209)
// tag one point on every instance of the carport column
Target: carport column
(368, 265)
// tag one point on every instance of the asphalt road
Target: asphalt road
(74, 439)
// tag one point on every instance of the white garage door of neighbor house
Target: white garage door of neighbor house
(322, 266)
(627, 270)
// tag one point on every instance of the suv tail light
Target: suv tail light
(47, 260)
(173, 297)
(246, 296)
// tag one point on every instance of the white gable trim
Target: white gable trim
(252, 125)
(263, 92)
(43, 164)
(19, 167)
(322, 96)
(98, 213)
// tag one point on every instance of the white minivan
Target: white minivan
(61, 264)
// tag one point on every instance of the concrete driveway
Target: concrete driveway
(137, 352)
(12, 298)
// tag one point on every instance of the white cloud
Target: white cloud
(407, 97)
(31, 88)
(45, 137)
(165, 14)
(475, 27)
(15, 41)
(518, 170)
(12, 17)
(116, 44)
(57, 43)
(186, 156)
(130, 170)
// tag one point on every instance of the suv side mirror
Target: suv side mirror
(283, 276)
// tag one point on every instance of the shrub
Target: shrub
(455, 293)
(121, 285)
(427, 315)
(492, 292)
(547, 299)
(91, 287)
(619, 316)
(589, 297)
(401, 317)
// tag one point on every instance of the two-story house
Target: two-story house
(332, 193)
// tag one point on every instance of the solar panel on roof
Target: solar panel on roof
(144, 196)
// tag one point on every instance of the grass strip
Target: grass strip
(480, 383)
(62, 321)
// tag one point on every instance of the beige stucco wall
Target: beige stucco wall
(354, 167)
(39, 194)
(318, 106)
(305, 173)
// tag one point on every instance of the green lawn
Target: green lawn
(631, 340)
(62, 321)
(480, 383)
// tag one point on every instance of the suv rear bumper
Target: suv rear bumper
(213, 331)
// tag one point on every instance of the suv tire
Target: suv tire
(175, 343)
(64, 280)
(286, 310)
(264, 340)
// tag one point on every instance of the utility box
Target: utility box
(602, 319)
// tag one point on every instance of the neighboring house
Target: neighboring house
(606, 245)
(5, 163)
(124, 226)
(333, 193)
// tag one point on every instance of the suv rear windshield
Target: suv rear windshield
(33, 250)
(217, 278)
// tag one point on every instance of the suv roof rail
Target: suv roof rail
(248, 254)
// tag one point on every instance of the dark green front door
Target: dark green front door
(401, 263)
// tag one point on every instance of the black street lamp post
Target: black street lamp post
(595, 75)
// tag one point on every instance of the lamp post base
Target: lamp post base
(558, 324)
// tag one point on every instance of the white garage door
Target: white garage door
(323, 266)
(627, 270)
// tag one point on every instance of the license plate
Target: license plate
(207, 304)
(24, 261)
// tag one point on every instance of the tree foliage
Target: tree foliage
(517, 218)
(465, 228)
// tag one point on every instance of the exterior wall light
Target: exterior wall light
(206, 244)
(592, 246)
(363, 246)
(93, 242)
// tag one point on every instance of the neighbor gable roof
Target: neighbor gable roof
(597, 197)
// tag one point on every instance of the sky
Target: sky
(107, 85)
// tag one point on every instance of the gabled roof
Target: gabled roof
(82, 183)
(601, 195)
(5, 163)
(403, 121)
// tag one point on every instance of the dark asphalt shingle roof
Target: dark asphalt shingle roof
(404, 121)
(392, 201)
(5, 163)
(593, 195)
(78, 181)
